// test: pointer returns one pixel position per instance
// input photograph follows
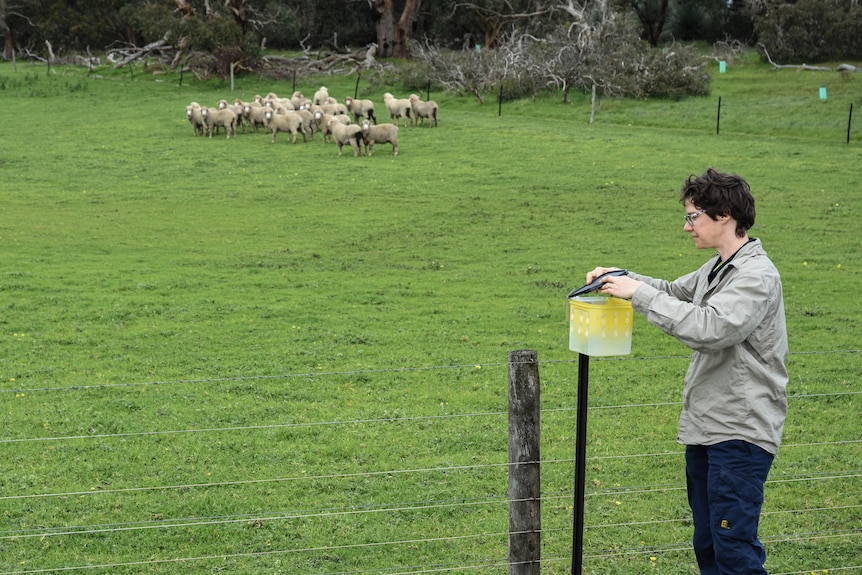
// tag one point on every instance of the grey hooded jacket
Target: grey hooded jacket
(735, 387)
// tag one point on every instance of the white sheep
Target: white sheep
(320, 96)
(213, 118)
(322, 119)
(308, 125)
(255, 115)
(277, 108)
(346, 134)
(273, 97)
(297, 100)
(242, 106)
(193, 113)
(237, 109)
(332, 107)
(398, 108)
(422, 110)
(360, 109)
(379, 134)
(240, 102)
(287, 122)
(278, 103)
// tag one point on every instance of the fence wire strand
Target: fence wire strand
(12, 535)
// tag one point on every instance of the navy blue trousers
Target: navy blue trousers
(725, 493)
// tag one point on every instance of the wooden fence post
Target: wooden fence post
(525, 518)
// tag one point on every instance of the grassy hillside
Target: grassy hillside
(242, 356)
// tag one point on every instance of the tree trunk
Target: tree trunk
(9, 46)
(384, 21)
(9, 42)
(392, 36)
(240, 16)
(405, 28)
(653, 16)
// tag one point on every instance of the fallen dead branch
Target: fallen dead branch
(776, 66)
(128, 56)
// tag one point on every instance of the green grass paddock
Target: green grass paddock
(238, 356)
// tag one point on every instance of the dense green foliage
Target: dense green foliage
(237, 356)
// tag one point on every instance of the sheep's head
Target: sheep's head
(268, 114)
(222, 104)
(366, 125)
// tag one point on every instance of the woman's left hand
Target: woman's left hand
(623, 287)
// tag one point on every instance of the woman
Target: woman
(730, 312)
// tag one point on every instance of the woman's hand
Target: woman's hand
(622, 287)
(597, 272)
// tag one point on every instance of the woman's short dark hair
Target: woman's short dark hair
(721, 194)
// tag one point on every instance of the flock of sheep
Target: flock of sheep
(352, 122)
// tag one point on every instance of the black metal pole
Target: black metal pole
(849, 122)
(718, 116)
(580, 465)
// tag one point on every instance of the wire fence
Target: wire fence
(397, 515)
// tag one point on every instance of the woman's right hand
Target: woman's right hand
(597, 272)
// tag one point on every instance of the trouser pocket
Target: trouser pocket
(736, 502)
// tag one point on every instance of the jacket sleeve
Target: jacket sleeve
(725, 319)
(681, 288)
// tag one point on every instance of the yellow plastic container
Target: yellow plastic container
(600, 325)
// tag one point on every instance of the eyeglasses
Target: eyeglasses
(689, 218)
